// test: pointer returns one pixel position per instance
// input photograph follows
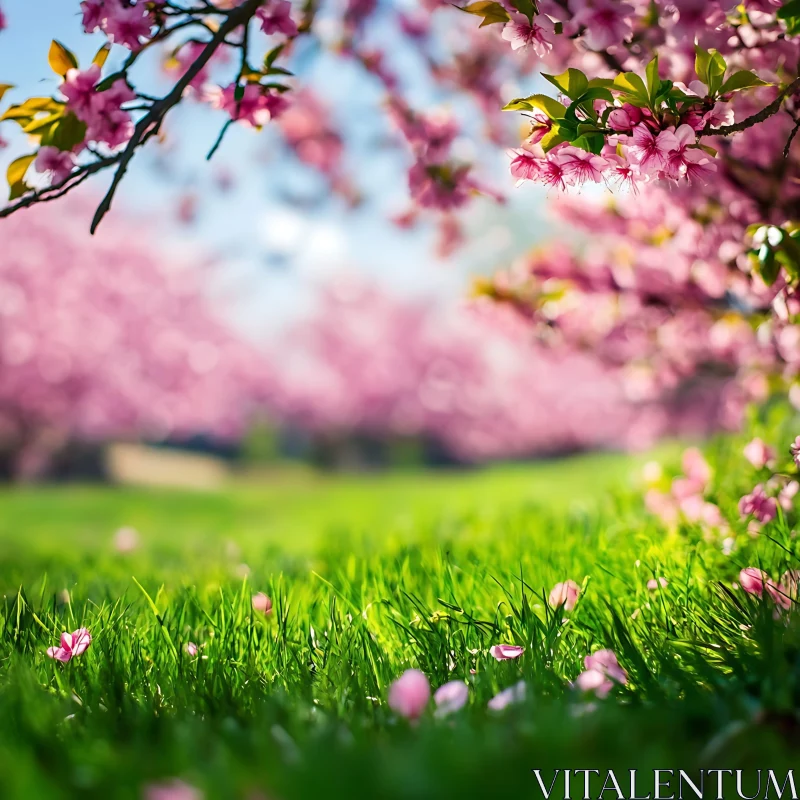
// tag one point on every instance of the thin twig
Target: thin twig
(59, 189)
(791, 136)
(219, 140)
(150, 123)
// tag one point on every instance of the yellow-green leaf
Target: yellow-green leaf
(18, 189)
(39, 124)
(632, 85)
(101, 55)
(17, 169)
(31, 106)
(492, 12)
(4, 87)
(60, 59)
(741, 80)
(551, 107)
(573, 83)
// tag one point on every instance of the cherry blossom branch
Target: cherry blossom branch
(792, 135)
(768, 111)
(60, 189)
(150, 123)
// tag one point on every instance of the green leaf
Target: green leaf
(31, 107)
(60, 59)
(17, 169)
(790, 14)
(551, 107)
(716, 72)
(768, 266)
(491, 12)
(40, 123)
(526, 7)
(601, 83)
(744, 79)
(272, 56)
(597, 93)
(702, 63)
(653, 81)
(592, 142)
(101, 55)
(66, 133)
(18, 189)
(553, 138)
(573, 83)
(631, 85)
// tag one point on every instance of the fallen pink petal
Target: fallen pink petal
(409, 694)
(506, 652)
(71, 645)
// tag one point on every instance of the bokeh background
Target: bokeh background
(282, 303)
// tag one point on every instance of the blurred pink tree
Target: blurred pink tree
(470, 378)
(687, 109)
(109, 337)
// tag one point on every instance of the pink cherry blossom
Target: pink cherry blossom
(601, 672)
(651, 151)
(2, 20)
(450, 697)
(72, 645)
(191, 649)
(523, 34)
(79, 89)
(580, 166)
(127, 25)
(753, 580)
(758, 453)
(785, 594)
(512, 696)
(564, 594)
(276, 17)
(656, 583)
(606, 22)
(255, 105)
(261, 602)
(505, 652)
(625, 118)
(759, 505)
(525, 166)
(409, 694)
(94, 14)
(794, 449)
(57, 163)
(682, 160)
(787, 494)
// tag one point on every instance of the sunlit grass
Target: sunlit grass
(370, 576)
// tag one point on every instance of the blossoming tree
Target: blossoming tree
(366, 361)
(686, 110)
(104, 338)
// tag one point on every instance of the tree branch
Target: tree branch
(150, 123)
(768, 111)
(59, 189)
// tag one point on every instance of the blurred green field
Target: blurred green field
(370, 576)
(293, 512)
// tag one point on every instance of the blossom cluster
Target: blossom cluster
(628, 130)
(126, 24)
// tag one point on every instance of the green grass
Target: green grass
(371, 576)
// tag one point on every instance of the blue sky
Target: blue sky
(274, 252)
